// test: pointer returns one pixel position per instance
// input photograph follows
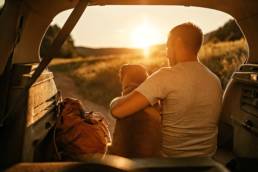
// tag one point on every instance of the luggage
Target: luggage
(79, 133)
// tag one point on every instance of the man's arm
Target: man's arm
(149, 92)
(124, 106)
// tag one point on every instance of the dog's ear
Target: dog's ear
(122, 72)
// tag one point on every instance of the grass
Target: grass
(97, 77)
(224, 58)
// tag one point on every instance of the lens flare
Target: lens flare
(144, 36)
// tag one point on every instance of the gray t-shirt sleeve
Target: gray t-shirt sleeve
(154, 87)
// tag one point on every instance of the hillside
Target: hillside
(228, 32)
(86, 51)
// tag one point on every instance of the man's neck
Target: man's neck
(186, 57)
(184, 61)
(188, 60)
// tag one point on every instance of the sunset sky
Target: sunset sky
(137, 26)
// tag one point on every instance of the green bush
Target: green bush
(67, 50)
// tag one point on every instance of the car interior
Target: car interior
(29, 97)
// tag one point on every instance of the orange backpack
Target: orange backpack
(79, 133)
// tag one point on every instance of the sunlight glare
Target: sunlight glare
(144, 36)
(146, 51)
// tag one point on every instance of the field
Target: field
(97, 76)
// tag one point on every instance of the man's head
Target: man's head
(184, 43)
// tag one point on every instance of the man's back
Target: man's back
(191, 104)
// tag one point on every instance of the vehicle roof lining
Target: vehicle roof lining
(141, 2)
(237, 8)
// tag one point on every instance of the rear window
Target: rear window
(108, 36)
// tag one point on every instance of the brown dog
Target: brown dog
(139, 134)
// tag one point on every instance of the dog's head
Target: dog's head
(131, 76)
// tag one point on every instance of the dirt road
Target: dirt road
(69, 89)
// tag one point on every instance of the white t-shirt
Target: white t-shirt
(192, 97)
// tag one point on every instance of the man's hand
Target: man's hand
(127, 105)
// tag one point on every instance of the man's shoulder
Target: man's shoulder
(165, 73)
(165, 70)
(212, 77)
(162, 69)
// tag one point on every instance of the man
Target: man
(191, 96)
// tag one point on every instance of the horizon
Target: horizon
(106, 27)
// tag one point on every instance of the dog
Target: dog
(137, 136)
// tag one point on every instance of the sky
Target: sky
(1, 3)
(136, 26)
(131, 26)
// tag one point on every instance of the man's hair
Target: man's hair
(190, 34)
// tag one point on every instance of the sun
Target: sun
(144, 36)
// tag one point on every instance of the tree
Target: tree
(1, 9)
(228, 32)
(67, 50)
